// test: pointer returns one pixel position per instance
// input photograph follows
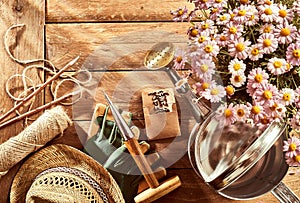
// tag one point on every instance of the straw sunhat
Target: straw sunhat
(60, 173)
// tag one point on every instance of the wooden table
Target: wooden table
(61, 30)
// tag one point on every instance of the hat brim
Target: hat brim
(61, 155)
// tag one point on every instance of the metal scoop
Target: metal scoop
(159, 57)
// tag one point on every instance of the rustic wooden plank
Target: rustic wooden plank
(101, 44)
(25, 44)
(107, 10)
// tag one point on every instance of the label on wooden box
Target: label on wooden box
(160, 113)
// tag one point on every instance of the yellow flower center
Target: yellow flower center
(297, 158)
(255, 110)
(243, 1)
(242, 12)
(267, 42)
(232, 16)
(255, 51)
(227, 113)
(240, 112)
(285, 32)
(205, 26)
(194, 32)
(204, 68)
(223, 38)
(277, 64)
(288, 66)
(218, 1)
(236, 66)
(214, 92)
(222, 18)
(179, 59)
(267, 29)
(292, 147)
(286, 96)
(180, 12)
(268, 3)
(264, 120)
(232, 30)
(229, 90)
(296, 53)
(205, 85)
(201, 39)
(282, 13)
(268, 11)
(240, 47)
(214, 10)
(258, 78)
(208, 49)
(267, 94)
(251, 17)
(203, 1)
(237, 78)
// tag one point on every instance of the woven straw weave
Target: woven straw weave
(34, 178)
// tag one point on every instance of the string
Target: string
(29, 86)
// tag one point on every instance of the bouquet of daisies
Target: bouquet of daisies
(245, 56)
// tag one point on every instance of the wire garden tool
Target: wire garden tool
(156, 189)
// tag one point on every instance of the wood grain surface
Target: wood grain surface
(111, 38)
(25, 44)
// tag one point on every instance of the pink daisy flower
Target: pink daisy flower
(284, 14)
(266, 95)
(255, 53)
(257, 112)
(295, 121)
(276, 112)
(287, 96)
(293, 161)
(242, 14)
(256, 77)
(277, 66)
(242, 112)
(296, 7)
(291, 147)
(297, 97)
(285, 33)
(268, 13)
(180, 59)
(267, 42)
(293, 54)
(238, 80)
(222, 40)
(201, 38)
(254, 17)
(200, 87)
(215, 93)
(233, 30)
(219, 3)
(239, 48)
(204, 69)
(227, 113)
(211, 48)
(223, 19)
(202, 4)
(180, 14)
(207, 26)
(236, 66)
(266, 28)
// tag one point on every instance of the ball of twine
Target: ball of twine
(49, 125)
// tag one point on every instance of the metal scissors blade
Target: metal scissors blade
(120, 121)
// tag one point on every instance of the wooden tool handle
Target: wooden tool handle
(143, 185)
(166, 187)
(141, 161)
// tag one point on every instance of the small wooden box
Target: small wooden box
(160, 113)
